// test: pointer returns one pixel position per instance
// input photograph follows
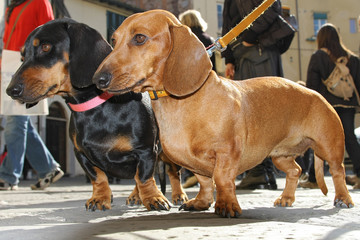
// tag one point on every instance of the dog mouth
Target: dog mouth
(127, 89)
(33, 100)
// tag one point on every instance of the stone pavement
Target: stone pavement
(59, 213)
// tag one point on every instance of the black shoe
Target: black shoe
(272, 181)
(7, 186)
(252, 182)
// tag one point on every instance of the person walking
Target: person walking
(255, 53)
(322, 63)
(20, 135)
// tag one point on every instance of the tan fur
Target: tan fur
(101, 197)
(36, 42)
(134, 198)
(216, 127)
(149, 193)
(43, 82)
(123, 144)
(76, 145)
(178, 194)
(319, 174)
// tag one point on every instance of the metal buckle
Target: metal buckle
(215, 47)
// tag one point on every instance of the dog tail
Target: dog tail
(319, 174)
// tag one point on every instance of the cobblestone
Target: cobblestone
(59, 213)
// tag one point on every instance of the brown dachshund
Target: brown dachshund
(219, 128)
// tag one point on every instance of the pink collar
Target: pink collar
(92, 103)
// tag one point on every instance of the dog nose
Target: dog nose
(15, 91)
(102, 80)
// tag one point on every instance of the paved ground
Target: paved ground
(59, 213)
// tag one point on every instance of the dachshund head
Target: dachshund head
(58, 57)
(154, 51)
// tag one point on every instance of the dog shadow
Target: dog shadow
(71, 221)
(138, 219)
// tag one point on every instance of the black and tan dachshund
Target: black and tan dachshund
(114, 135)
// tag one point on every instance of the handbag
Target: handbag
(9, 64)
(280, 34)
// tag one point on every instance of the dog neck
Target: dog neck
(91, 103)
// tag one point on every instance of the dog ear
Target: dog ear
(188, 64)
(87, 50)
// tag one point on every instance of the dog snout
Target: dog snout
(102, 80)
(16, 90)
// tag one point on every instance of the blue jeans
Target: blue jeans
(22, 139)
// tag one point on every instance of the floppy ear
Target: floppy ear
(188, 64)
(87, 50)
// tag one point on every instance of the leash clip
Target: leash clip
(216, 46)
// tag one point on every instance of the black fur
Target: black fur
(94, 131)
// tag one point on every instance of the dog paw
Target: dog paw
(195, 205)
(98, 203)
(284, 201)
(179, 199)
(344, 203)
(157, 203)
(229, 210)
(133, 200)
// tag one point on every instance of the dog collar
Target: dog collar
(92, 103)
(155, 95)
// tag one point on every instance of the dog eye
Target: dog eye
(139, 39)
(46, 47)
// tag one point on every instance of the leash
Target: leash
(221, 43)
(92, 103)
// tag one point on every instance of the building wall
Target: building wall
(2, 13)
(89, 13)
(296, 61)
(2, 7)
(208, 11)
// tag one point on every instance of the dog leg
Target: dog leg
(293, 171)
(204, 198)
(101, 198)
(342, 196)
(178, 194)
(226, 204)
(335, 160)
(134, 198)
(150, 195)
